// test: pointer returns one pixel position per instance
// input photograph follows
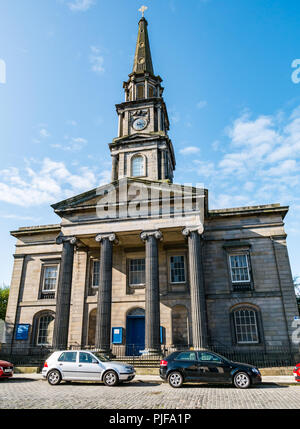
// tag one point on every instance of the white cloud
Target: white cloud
(44, 133)
(96, 60)
(205, 168)
(201, 104)
(48, 183)
(74, 144)
(260, 163)
(81, 5)
(253, 133)
(189, 150)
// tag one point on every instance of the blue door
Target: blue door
(135, 335)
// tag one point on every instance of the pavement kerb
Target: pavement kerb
(283, 379)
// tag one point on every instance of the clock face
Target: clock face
(139, 124)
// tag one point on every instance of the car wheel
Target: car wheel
(175, 379)
(242, 380)
(110, 378)
(54, 377)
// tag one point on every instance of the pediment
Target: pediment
(124, 193)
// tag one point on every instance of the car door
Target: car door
(89, 368)
(188, 364)
(212, 368)
(67, 363)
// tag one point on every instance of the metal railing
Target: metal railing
(256, 355)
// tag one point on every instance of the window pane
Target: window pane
(50, 276)
(96, 273)
(137, 166)
(186, 356)
(246, 326)
(140, 91)
(151, 91)
(137, 272)
(85, 358)
(209, 357)
(177, 269)
(239, 268)
(67, 357)
(45, 330)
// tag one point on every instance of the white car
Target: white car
(82, 365)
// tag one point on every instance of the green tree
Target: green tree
(4, 292)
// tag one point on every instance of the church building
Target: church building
(142, 263)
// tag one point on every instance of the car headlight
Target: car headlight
(255, 370)
(1, 369)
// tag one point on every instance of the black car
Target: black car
(208, 367)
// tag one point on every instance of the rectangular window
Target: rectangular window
(177, 268)
(140, 92)
(68, 357)
(95, 273)
(151, 91)
(50, 278)
(45, 330)
(186, 356)
(246, 326)
(239, 268)
(137, 272)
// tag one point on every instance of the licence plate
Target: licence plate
(7, 370)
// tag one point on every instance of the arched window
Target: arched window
(137, 166)
(245, 321)
(45, 325)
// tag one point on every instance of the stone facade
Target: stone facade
(146, 257)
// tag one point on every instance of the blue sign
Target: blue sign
(162, 335)
(22, 331)
(117, 335)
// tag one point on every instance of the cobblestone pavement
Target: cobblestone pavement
(34, 393)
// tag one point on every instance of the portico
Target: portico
(155, 247)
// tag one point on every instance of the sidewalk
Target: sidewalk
(278, 379)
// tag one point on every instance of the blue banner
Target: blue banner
(22, 331)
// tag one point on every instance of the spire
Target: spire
(142, 59)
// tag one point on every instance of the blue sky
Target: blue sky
(226, 68)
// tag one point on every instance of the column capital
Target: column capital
(65, 238)
(156, 234)
(110, 236)
(187, 230)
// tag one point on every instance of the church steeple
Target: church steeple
(142, 59)
(143, 148)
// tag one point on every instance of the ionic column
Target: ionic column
(63, 294)
(198, 304)
(152, 312)
(103, 318)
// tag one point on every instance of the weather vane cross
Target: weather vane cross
(142, 10)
